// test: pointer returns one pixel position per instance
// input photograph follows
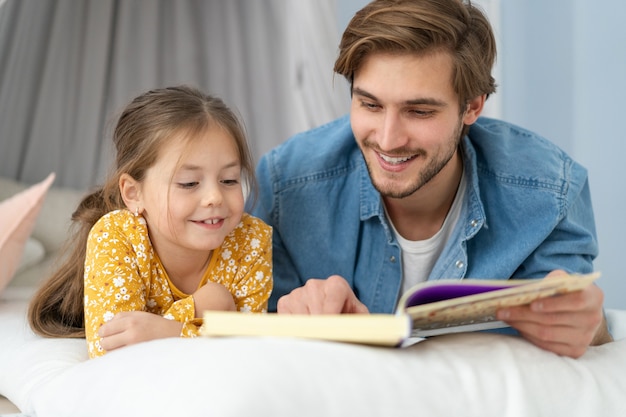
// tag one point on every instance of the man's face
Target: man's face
(406, 119)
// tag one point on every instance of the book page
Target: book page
(481, 308)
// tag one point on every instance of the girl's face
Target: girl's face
(192, 198)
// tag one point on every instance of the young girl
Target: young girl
(166, 237)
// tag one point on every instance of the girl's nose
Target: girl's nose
(212, 197)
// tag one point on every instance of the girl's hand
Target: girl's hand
(213, 296)
(130, 327)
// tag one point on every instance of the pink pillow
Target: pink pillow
(18, 215)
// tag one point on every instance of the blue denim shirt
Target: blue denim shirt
(527, 211)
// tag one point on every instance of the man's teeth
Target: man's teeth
(397, 160)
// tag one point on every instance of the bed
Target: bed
(471, 374)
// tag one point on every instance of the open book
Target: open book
(428, 309)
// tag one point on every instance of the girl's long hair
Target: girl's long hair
(149, 121)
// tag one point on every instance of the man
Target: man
(415, 186)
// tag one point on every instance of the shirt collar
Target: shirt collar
(474, 211)
(370, 199)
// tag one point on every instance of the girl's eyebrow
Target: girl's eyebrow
(192, 167)
(424, 100)
(189, 167)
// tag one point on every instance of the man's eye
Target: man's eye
(368, 105)
(422, 113)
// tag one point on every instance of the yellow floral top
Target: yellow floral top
(124, 273)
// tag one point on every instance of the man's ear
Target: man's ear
(473, 109)
(131, 192)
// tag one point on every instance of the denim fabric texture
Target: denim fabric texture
(527, 211)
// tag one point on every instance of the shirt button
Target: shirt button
(460, 264)
(392, 259)
(474, 223)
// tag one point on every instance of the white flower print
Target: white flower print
(119, 279)
(241, 292)
(226, 254)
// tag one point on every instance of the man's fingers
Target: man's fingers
(321, 296)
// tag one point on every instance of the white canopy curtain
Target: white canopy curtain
(67, 67)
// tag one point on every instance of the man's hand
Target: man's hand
(565, 324)
(130, 327)
(322, 296)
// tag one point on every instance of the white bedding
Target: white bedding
(458, 375)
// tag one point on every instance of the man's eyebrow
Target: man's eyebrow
(423, 100)
(360, 92)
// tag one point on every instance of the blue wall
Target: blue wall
(564, 76)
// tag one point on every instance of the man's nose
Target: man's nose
(392, 132)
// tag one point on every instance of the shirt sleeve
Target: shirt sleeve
(113, 282)
(183, 311)
(572, 245)
(254, 289)
(252, 286)
(285, 275)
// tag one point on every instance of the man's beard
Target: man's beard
(425, 176)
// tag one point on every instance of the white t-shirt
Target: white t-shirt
(419, 256)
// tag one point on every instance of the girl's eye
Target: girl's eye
(188, 184)
(230, 182)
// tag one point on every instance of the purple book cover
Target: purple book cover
(447, 291)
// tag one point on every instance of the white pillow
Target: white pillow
(28, 361)
(476, 374)
(467, 375)
(616, 320)
(34, 252)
